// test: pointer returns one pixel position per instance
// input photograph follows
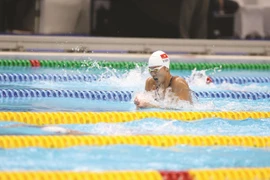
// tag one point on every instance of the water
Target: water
(131, 80)
(128, 157)
(212, 126)
(124, 157)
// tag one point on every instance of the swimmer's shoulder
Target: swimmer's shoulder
(150, 82)
(179, 81)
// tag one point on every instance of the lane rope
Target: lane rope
(240, 80)
(46, 118)
(19, 77)
(63, 141)
(72, 175)
(128, 64)
(119, 95)
(193, 174)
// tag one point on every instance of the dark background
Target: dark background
(125, 18)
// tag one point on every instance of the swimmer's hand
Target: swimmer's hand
(140, 103)
(143, 103)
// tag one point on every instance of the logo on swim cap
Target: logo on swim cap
(164, 56)
(159, 58)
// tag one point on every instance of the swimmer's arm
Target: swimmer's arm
(149, 86)
(144, 104)
(182, 90)
(64, 131)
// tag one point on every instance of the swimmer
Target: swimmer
(57, 130)
(51, 129)
(162, 82)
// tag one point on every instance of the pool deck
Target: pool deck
(132, 49)
(133, 57)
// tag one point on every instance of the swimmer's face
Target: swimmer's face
(158, 73)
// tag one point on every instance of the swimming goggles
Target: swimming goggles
(154, 70)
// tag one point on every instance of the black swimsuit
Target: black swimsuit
(156, 92)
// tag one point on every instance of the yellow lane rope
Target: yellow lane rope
(63, 141)
(43, 118)
(231, 174)
(64, 175)
(213, 174)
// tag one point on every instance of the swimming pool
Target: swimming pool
(227, 127)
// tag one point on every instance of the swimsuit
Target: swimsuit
(156, 91)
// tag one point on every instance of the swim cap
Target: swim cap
(159, 58)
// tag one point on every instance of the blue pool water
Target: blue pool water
(213, 126)
(135, 157)
(127, 157)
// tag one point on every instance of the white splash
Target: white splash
(130, 80)
(197, 78)
(197, 82)
(172, 102)
(55, 129)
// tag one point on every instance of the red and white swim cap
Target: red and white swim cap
(159, 58)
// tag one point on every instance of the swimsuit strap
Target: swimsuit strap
(171, 81)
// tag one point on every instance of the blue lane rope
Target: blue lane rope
(240, 80)
(17, 77)
(117, 95)
(92, 95)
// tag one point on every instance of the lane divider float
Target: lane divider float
(63, 141)
(18, 77)
(120, 95)
(130, 65)
(193, 174)
(46, 118)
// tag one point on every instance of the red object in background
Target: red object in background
(35, 63)
(208, 80)
(164, 56)
(175, 175)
